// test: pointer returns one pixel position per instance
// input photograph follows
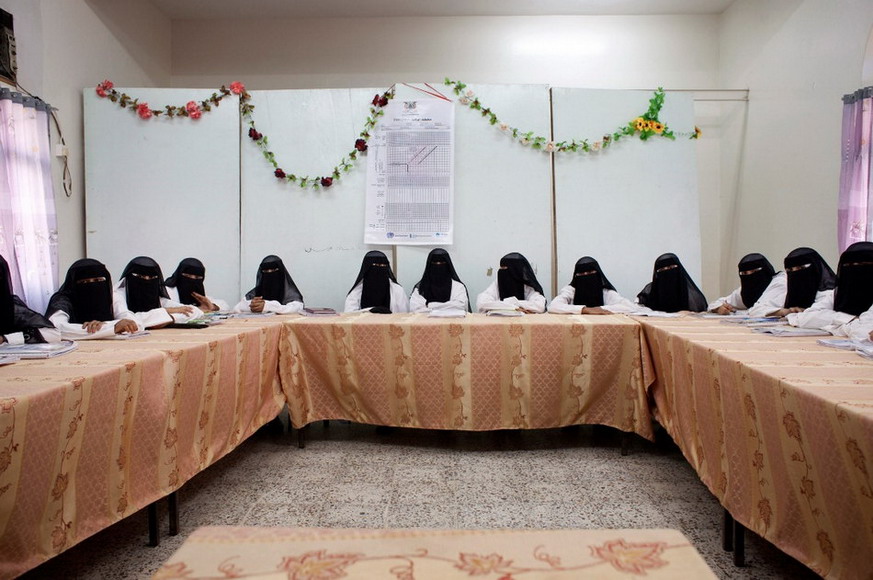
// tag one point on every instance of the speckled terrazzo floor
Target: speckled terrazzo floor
(357, 476)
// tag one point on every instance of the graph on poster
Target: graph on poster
(410, 175)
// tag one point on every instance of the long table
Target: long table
(474, 373)
(92, 436)
(779, 429)
(224, 552)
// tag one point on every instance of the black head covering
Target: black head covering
(82, 298)
(144, 284)
(515, 272)
(671, 288)
(589, 282)
(15, 316)
(436, 282)
(753, 284)
(376, 274)
(274, 282)
(186, 284)
(854, 293)
(813, 275)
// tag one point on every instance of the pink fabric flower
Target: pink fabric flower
(237, 88)
(104, 87)
(193, 110)
(143, 111)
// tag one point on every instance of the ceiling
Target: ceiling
(268, 9)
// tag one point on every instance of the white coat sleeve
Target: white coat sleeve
(821, 314)
(487, 297)
(417, 303)
(773, 297)
(353, 300)
(618, 304)
(75, 331)
(399, 300)
(292, 307)
(180, 317)
(563, 302)
(533, 300)
(50, 334)
(173, 293)
(861, 327)
(154, 317)
(735, 299)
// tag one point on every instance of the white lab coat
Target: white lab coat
(821, 315)
(458, 300)
(399, 301)
(151, 318)
(174, 296)
(861, 327)
(490, 299)
(48, 335)
(772, 299)
(292, 307)
(612, 301)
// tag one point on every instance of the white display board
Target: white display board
(628, 204)
(164, 188)
(502, 191)
(319, 234)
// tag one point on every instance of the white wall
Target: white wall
(797, 57)
(65, 45)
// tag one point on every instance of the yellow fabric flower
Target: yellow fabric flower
(657, 127)
(640, 124)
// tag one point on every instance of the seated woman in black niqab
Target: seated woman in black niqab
(516, 287)
(140, 295)
(760, 286)
(274, 290)
(376, 289)
(82, 307)
(809, 280)
(185, 286)
(18, 323)
(590, 292)
(671, 288)
(848, 309)
(439, 287)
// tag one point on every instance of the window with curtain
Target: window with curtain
(855, 207)
(28, 223)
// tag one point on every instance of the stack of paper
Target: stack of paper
(39, 350)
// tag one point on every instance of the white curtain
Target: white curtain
(28, 223)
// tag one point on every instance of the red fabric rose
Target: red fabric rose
(237, 88)
(143, 111)
(383, 101)
(326, 181)
(360, 145)
(253, 134)
(193, 110)
(279, 173)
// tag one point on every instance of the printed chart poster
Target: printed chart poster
(410, 174)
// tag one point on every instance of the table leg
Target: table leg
(625, 442)
(173, 508)
(727, 532)
(739, 544)
(301, 436)
(154, 536)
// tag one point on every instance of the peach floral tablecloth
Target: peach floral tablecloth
(92, 436)
(477, 373)
(326, 554)
(779, 429)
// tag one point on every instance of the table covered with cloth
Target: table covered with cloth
(90, 437)
(282, 553)
(779, 429)
(475, 373)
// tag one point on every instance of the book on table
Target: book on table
(791, 331)
(38, 350)
(312, 311)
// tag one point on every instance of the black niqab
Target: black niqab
(753, 284)
(854, 293)
(15, 316)
(376, 275)
(436, 281)
(274, 282)
(86, 293)
(807, 274)
(144, 284)
(671, 288)
(589, 283)
(187, 285)
(514, 274)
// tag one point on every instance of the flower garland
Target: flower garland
(645, 126)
